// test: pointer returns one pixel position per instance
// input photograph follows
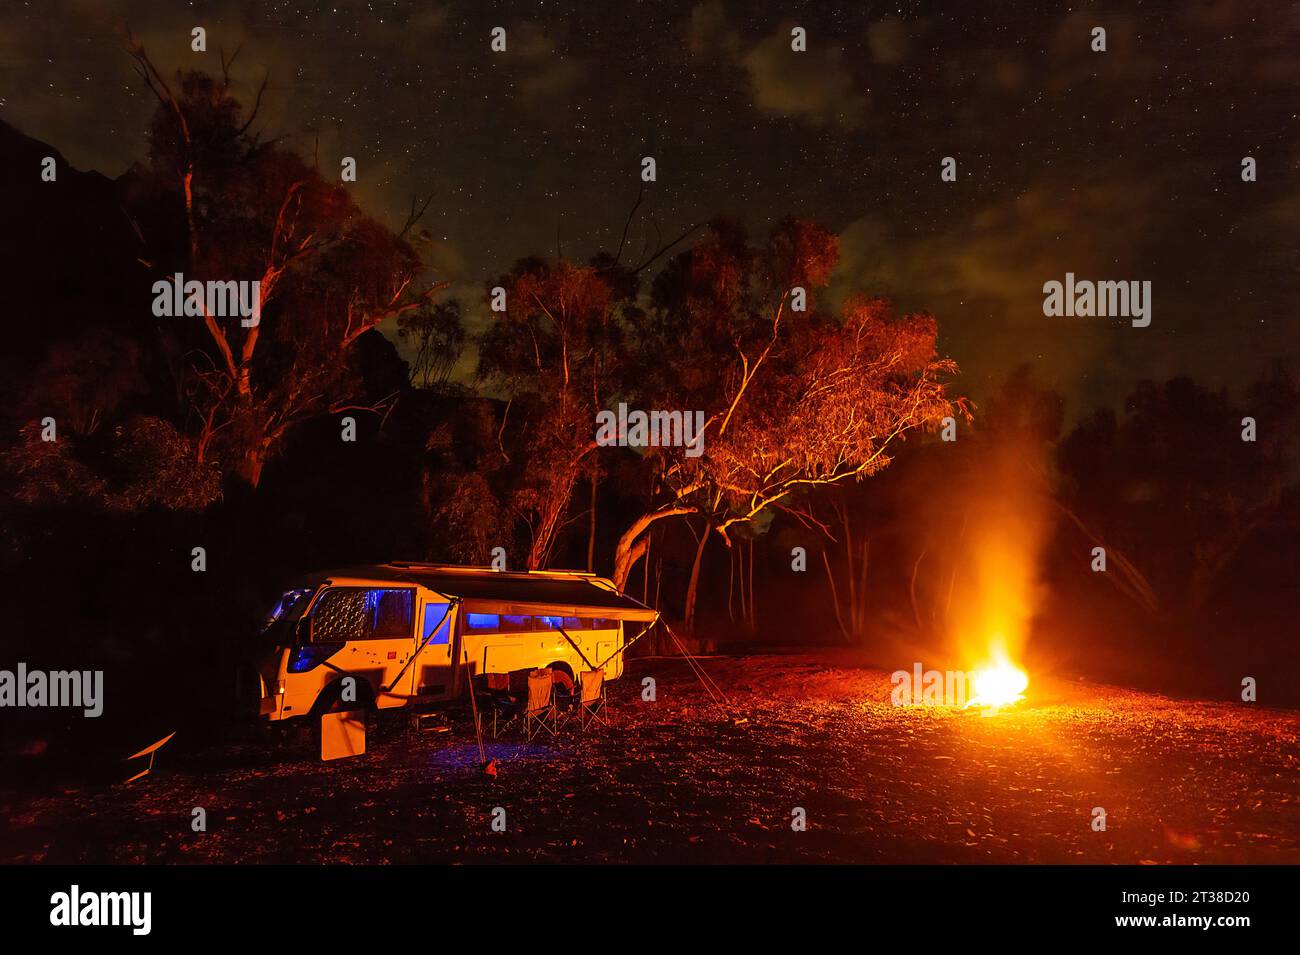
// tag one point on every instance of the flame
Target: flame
(995, 587)
(999, 684)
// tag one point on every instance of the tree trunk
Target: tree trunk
(251, 462)
(740, 576)
(731, 584)
(591, 534)
(753, 618)
(550, 514)
(692, 589)
(632, 546)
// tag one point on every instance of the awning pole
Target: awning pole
(628, 643)
(478, 724)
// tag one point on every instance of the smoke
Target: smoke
(979, 515)
(996, 581)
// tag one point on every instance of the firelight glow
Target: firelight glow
(995, 596)
(999, 684)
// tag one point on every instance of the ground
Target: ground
(683, 779)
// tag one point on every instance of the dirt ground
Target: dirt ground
(680, 780)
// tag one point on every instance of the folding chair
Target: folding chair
(591, 700)
(539, 712)
(493, 696)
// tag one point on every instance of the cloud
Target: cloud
(1072, 62)
(707, 32)
(813, 86)
(982, 274)
(1009, 75)
(545, 75)
(889, 42)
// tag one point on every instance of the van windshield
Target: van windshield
(279, 622)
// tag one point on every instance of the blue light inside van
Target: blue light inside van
(432, 614)
(483, 621)
(306, 658)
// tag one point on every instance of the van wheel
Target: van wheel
(330, 701)
(563, 668)
(568, 696)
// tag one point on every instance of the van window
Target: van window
(433, 614)
(568, 623)
(517, 623)
(358, 613)
(500, 623)
(290, 604)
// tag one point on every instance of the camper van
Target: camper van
(417, 633)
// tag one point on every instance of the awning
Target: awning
(538, 594)
(483, 605)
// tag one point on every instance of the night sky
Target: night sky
(1123, 165)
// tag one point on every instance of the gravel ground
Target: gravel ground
(681, 779)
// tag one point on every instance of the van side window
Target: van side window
(435, 615)
(516, 623)
(358, 613)
(483, 622)
(568, 623)
(499, 623)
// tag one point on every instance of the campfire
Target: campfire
(993, 602)
(1001, 683)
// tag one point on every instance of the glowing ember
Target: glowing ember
(999, 685)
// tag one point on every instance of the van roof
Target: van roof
(483, 590)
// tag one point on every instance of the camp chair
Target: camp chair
(492, 693)
(591, 699)
(539, 711)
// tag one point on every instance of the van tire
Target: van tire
(329, 701)
(564, 667)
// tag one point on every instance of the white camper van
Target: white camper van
(418, 632)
